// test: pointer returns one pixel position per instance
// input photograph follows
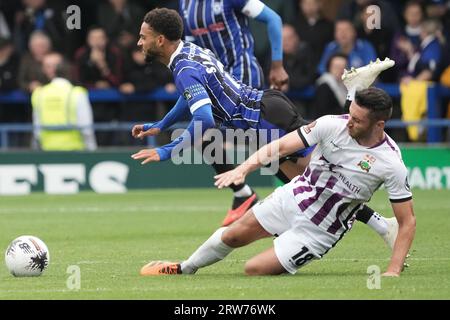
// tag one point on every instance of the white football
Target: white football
(27, 256)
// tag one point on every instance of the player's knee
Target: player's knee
(253, 269)
(233, 238)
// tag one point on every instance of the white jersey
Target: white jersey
(342, 175)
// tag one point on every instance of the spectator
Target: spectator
(30, 71)
(298, 59)
(312, 28)
(380, 37)
(424, 63)
(9, 66)
(262, 43)
(37, 15)
(440, 10)
(422, 68)
(330, 92)
(59, 103)
(142, 77)
(359, 52)
(407, 40)
(118, 19)
(352, 9)
(98, 64)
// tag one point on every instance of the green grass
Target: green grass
(111, 236)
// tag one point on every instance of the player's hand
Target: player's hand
(235, 176)
(150, 155)
(278, 77)
(139, 133)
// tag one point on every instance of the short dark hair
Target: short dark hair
(166, 22)
(377, 101)
(336, 55)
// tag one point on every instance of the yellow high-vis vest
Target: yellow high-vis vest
(55, 104)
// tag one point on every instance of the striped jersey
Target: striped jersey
(201, 79)
(343, 175)
(223, 27)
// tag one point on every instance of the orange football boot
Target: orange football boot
(234, 214)
(160, 268)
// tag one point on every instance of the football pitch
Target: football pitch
(107, 238)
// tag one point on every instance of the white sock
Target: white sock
(378, 223)
(211, 251)
(246, 191)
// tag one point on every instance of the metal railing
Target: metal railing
(433, 122)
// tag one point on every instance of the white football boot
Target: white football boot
(362, 77)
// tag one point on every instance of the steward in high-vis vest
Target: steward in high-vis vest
(60, 103)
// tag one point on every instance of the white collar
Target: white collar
(176, 52)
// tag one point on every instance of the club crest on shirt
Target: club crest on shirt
(217, 7)
(309, 127)
(366, 163)
(187, 95)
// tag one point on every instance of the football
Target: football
(27, 256)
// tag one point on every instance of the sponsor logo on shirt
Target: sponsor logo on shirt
(214, 27)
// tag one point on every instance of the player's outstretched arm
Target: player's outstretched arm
(267, 154)
(202, 116)
(407, 228)
(179, 111)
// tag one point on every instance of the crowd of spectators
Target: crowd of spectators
(318, 43)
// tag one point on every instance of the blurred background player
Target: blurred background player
(60, 103)
(223, 27)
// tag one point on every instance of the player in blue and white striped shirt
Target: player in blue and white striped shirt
(207, 92)
(223, 27)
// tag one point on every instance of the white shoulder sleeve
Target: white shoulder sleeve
(319, 130)
(397, 184)
(253, 8)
